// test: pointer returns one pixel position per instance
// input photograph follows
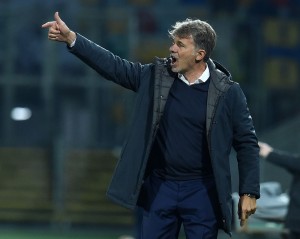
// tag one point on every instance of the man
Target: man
(175, 162)
(291, 163)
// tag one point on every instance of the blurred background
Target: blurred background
(62, 126)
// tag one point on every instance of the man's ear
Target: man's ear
(200, 54)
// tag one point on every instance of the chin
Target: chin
(174, 69)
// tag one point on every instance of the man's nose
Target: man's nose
(172, 48)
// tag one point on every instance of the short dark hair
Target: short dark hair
(202, 33)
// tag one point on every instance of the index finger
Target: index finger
(48, 24)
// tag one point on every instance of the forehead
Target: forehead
(184, 39)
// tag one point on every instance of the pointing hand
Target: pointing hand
(59, 31)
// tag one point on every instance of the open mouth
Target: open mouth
(173, 60)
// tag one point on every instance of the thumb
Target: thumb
(57, 18)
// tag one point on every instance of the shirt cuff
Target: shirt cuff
(73, 43)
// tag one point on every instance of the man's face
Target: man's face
(184, 55)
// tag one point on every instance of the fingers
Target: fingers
(52, 24)
(252, 211)
(52, 37)
(244, 215)
(243, 222)
(246, 207)
(56, 26)
(57, 21)
(57, 18)
(48, 24)
(243, 218)
(53, 33)
(57, 29)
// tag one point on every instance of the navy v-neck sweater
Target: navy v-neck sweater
(180, 150)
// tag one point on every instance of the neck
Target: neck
(195, 74)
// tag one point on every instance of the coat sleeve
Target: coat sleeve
(288, 161)
(245, 144)
(107, 64)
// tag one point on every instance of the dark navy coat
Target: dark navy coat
(229, 124)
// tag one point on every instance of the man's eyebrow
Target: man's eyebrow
(179, 42)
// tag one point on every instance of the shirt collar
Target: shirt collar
(203, 78)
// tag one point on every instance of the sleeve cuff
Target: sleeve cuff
(73, 43)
